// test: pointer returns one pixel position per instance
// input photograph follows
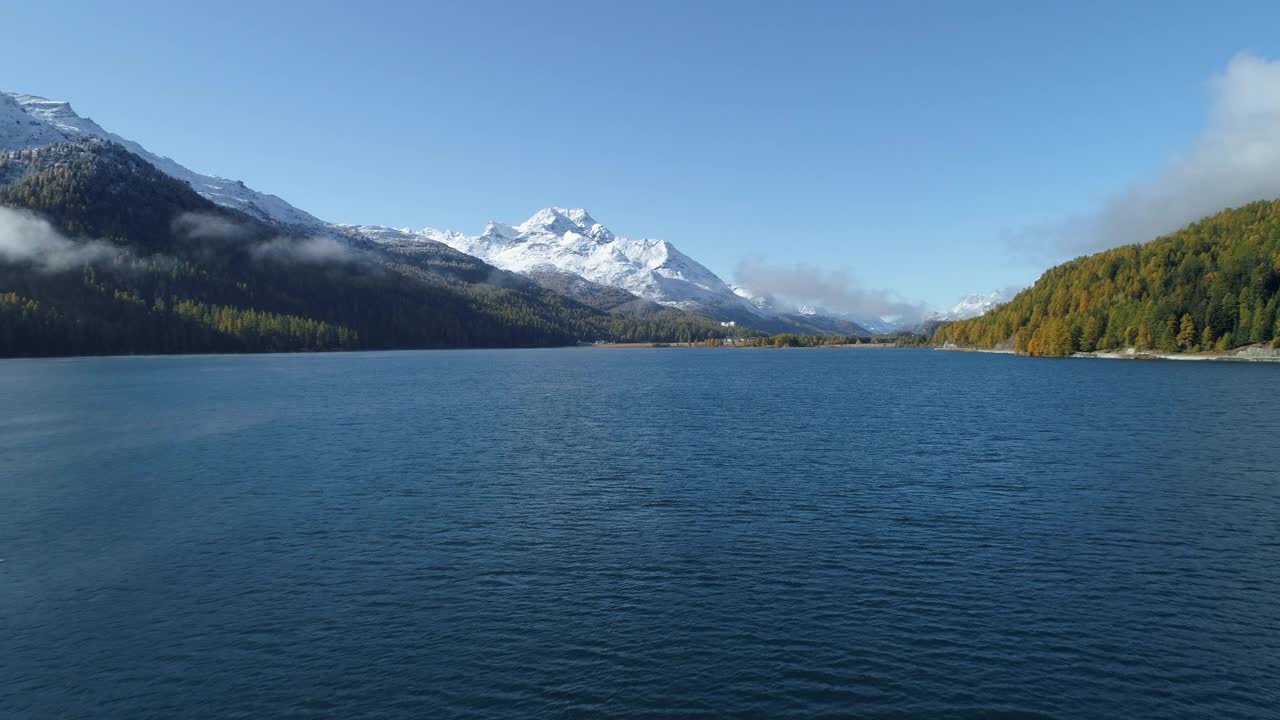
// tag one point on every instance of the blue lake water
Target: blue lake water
(639, 533)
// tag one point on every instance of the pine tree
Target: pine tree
(1187, 332)
(1143, 341)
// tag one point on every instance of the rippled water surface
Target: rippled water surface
(639, 533)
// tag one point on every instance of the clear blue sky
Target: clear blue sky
(901, 141)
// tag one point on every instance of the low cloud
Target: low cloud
(835, 292)
(1235, 161)
(210, 230)
(25, 237)
(207, 226)
(312, 250)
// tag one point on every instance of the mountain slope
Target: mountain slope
(603, 297)
(1212, 285)
(30, 121)
(102, 253)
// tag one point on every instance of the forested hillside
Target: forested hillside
(1214, 285)
(100, 253)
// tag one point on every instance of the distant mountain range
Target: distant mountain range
(835, 323)
(562, 249)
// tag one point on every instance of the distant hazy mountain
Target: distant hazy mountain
(971, 306)
(810, 319)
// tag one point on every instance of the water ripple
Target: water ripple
(648, 534)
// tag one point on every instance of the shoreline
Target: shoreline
(276, 353)
(695, 346)
(580, 346)
(989, 351)
(1248, 353)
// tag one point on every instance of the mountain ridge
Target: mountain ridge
(49, 121)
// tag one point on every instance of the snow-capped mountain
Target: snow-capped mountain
(971, 306)
(571, 241)
(29, 121)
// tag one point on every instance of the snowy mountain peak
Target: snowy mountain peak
(571, 241)
(497, 230)
(31, 121)
(560, 221)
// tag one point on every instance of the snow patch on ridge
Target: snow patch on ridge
(30, 121)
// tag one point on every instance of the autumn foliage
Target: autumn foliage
(1214, 285)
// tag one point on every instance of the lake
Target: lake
(674, 533)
